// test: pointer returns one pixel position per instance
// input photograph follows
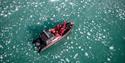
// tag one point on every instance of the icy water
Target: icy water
(98, 35)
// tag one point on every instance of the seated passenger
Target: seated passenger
(59, 29)
(63, 28)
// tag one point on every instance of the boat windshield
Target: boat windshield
(46, 35)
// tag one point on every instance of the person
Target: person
(59, 29)
(63, 28)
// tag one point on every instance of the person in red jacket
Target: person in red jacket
(63, 28)
(59, 29)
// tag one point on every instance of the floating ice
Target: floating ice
(53, 0)
(54, 15)
(27, 53)
(68, 37)
(75, 55)
(71, 3)
(81, 32)
(79, 29)
(80, 47)
(62, 60)
(77, 61)
(1, 46)
(86, 54)
(51, 19)
(36, 5)
(1, 57)
(67, 60)
(14, 47)
(16, 9)
(90, 47)
(108, 59)
(5, 15)
(111, 47)
(71, 42)
(88, 33)
(31, 16)
(66, 0)
(38, 23)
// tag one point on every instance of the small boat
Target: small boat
(47, 38)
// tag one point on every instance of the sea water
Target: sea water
(98, 35)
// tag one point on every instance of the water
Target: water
(98, 35)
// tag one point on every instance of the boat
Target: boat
(47, 38)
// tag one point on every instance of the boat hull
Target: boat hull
(57, 38)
